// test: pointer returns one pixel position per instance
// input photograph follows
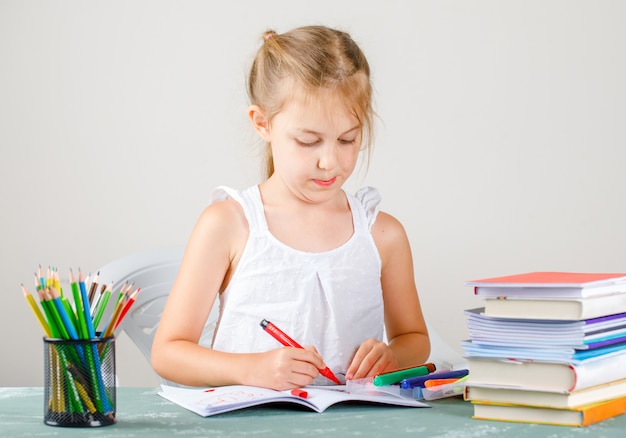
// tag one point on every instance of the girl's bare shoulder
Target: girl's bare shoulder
(387, 229)
(224, 217)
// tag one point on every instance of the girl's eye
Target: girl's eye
(347, 141)
(307, 143)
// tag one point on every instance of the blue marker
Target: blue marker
(419, 381)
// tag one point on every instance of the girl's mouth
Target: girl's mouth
(325, 183)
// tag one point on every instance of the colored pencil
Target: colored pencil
(101, 306)
(35, 308)
(93, 287)
(52, 323)
(54, 311)
(108, 331)
(58, 304)
(127, 306)
(42, 280)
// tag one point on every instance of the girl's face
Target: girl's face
(315, 145)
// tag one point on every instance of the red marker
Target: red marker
(299, 393)
(288, 342)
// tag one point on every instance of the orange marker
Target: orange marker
(438, 382)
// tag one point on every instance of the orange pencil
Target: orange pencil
(113, 321)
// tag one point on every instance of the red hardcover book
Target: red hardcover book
(550, 284)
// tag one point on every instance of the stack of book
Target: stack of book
(548, 347)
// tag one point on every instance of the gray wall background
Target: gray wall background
(501, 144)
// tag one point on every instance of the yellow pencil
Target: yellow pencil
(37, 312)
(82, 392)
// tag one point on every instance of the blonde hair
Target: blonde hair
(313, 57)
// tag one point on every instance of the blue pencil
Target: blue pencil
(93, 356)
(67, 322)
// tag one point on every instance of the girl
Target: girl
(327, 267)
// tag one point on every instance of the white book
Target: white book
(555, 308)
(547, 376)
(581, 335)
(546, 399)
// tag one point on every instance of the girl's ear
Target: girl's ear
(261, 125)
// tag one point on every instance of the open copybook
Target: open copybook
(212, 401)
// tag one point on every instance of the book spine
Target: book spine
(600, 370)
(602, 411)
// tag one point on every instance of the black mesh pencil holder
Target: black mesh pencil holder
(79, 382)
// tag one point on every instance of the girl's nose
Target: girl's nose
(328, 157)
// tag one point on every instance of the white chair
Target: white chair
(154, 272)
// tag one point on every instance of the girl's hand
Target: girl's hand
(371, 358)
(286, 368)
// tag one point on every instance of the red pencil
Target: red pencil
(281, 337)
(127, 305)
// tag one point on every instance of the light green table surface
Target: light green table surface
(142, 413)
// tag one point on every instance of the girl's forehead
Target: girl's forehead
(318, 116)
(323, 102)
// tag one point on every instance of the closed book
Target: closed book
(546, 399)
(550, 284)
(547, 376)
(566, 354)
(541, 333)
(580, 416)
(555, 308)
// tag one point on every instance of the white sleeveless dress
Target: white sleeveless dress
(331, 300)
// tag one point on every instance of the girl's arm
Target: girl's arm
(211, 255)
(407, 333)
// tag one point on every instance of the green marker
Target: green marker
(394, 377)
